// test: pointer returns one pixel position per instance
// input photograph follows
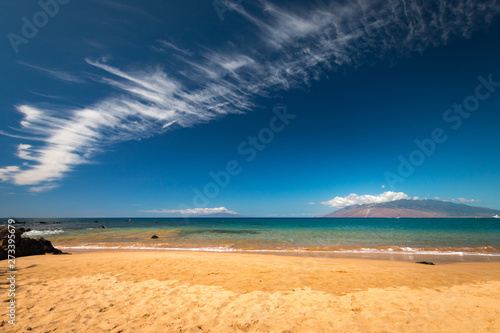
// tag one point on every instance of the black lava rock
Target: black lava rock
(24, 246)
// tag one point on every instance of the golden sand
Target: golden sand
(233, 292)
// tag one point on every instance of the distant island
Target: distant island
(414, 208)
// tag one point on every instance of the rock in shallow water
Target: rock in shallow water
(24, 246)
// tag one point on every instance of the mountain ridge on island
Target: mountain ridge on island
(414, 209)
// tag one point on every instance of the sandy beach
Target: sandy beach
(233, 292)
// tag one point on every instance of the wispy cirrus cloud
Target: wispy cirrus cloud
(38, 189)
(193, 211)
(297, 45)
(58, 74)
(8, 172)
(167, 46)
(137, 10)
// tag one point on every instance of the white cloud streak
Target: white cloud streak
(58, 74)
(297, 46)
(193, 211)
(464, 200)
(7, 172)
(169, 46)
(354, 199)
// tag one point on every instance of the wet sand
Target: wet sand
(149, 291)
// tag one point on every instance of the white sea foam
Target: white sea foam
(137, 247)
(404, 251)
(41, 233)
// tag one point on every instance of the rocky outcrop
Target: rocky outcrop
(24, 246)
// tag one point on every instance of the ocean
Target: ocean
(451, 239)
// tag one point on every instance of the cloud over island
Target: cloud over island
(388, 196)
(354, 199)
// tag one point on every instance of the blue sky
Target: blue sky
(262, 108)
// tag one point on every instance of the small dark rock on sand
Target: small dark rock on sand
(425, 262)
(154, 237)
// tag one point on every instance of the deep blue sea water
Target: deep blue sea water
(325, 236)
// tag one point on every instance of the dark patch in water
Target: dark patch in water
(217, 231)
(222, 231)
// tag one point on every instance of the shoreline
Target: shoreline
(172, 291)
(388, 256)
(454, 240)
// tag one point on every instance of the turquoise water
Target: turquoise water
(456, 237)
